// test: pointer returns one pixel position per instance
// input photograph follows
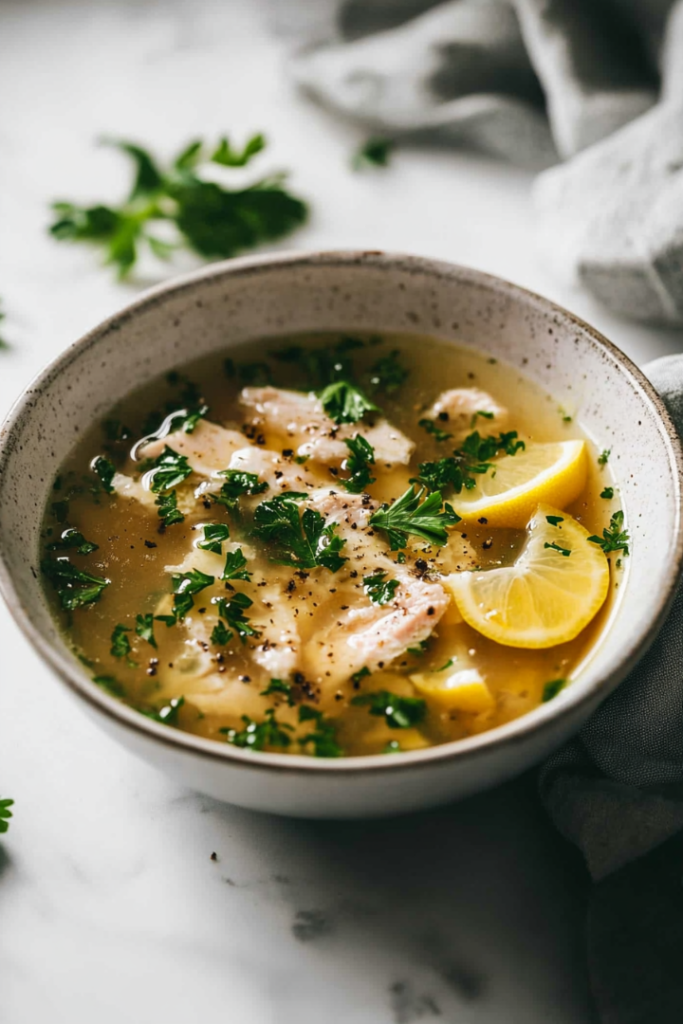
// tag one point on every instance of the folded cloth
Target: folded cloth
(596, 83)
(616, 791)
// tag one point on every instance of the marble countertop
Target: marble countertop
(111, 906)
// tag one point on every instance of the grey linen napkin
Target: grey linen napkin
(597, 84)
(616, 791)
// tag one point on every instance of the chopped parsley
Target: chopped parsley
(235, 563)
(120, 644)
(420, 649)
(185, 586)
(71, 538)
(168, 470)
(110, 685)
(258, 735)
(552, 689)
(379, 589)
(358, 464)
(214, 535)
(144, 627)
(302, 541)
(473, 457)
(603, 457)
(556, 547)
(106, 472)
(207, 217)
(374, 152)
(484, 413)
(324, 735)
(236, 484)
(277, 687)
(434, 429)
(387, 374)
(168, 714)
(398, 712)
(407, 516)
(221, 635)
(345, 403)
(233, 612)
(187, 419)
(554, 520)
(607, 493)
(74, 587)
(168, 512)
(614, 537)
(360, 674)
(5, 814)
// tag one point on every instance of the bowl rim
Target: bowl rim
(471, 748)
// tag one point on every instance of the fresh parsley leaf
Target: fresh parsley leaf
(419, 649)
(358, 464)
(556, 547)
(472, 458)
(169, 512)
(106, 471)
(236, 484)
(214, 535)
(552, 689)
(554, 520)
(71, 538)
(387, 374)
(226, 156)
(258, 735)
(299, 540)
(210, 218)
(168, 470)
(144, 627)
(187, 419)
(374, 152)
(5, 814)
(345, 403)
(608, 493)
(279, 686)
(324, 735)
(120, 644)
(379, 589)
(485, 414)
(233, 612)
(442, 668)
(185, 586)
(398, 712)
(74, 587)
(235, 563)
(407, 516)
(221, 635)
(614, 537)
(434, 429)
(603, 457)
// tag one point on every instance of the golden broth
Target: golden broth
(221, 684)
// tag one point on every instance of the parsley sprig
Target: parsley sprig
(210, 218)
(344, 402)
(168, 470)
(324, 734)
(233, 612)
(473, 457)
(303, 541)
(258, 735)
(614, 537)
(237, 483)
(409, 514)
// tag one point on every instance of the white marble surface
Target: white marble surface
(110, 907)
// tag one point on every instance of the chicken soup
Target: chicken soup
(335, 545)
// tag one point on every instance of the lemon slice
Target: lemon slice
(554, 589)
(508, 494)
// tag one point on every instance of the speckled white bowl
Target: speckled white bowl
(234, 301)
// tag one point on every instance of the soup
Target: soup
(333, 545)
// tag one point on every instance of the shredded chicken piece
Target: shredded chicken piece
(455, 411)
(301, 418)
(208, 448)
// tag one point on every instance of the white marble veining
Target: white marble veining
(111, 908)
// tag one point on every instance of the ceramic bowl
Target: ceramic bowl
(366, 291)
